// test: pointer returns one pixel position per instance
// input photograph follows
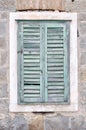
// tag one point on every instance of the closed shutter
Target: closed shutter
(57, 90)
(43, 61)
(30, 65)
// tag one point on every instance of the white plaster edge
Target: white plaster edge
(73, 106)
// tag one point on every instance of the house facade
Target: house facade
(16, 114)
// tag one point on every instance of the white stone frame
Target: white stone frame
(73, 106)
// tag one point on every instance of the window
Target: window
(43, 62)
(43, 72)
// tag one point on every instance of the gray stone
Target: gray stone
(5, 123)
(83, 96)
(83, 47)
(7, 5)
(83, 28)
(83, 74)
(4, 57)
(2, 42)
(78, 123)
(3, 75)
(57, 123)
(83, 58)
(83, 43)
(19, 123)
(76, 6)
(82, 16)
(3, 26)
(83, 39)
(83, 86)
(3, 90)
(4, 15)
(4, 106)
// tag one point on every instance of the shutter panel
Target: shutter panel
(30, 72)
(57, 64)
(43, 61)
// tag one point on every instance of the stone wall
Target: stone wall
(40, 4)
(42, 121)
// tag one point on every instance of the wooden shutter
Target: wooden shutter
(43, 61)
(57, 83)
(30, 66)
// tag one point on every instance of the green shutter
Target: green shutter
(57, 63)
(43, 61)
(30, 68)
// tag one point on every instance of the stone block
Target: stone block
(4, 15)
(83, 40)
(56, 123)
(5, 123)
(4, 106)
(7, 5)
(3, 75)
(78, 123)
(76, 6)
(4, 57)
(83, 28)
(83, 96)
(82, 86)
(83, 74)
(3, 91)
(83, 43)
(2, 42)
(65, 123)
(40, 4)
(37, 123)
(83, 58)
(19, 123)
(82, 16)
(3, 26)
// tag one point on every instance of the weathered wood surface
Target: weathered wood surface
(40, 5)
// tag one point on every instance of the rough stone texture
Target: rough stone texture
(78, 123)
(2, 42)
(83, 74)
(83, 43)
(19, 123)
(3, 90)
(40, 4)
(3, 75)
(83, 58)
(83, 27)
(37, 123)
(7, 5)
(82, 16)
(4, 106)
(64, 121)
(56, 123)
(2, 28)
(5, 123)
(76, 6)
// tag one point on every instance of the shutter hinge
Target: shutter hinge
(77, 33)
(21, 51)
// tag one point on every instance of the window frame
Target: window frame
(73, 106)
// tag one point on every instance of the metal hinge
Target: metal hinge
(77, 33)
(21, 51)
